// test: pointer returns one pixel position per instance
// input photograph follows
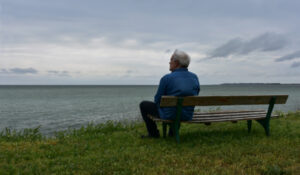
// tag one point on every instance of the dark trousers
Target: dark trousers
(148, 107)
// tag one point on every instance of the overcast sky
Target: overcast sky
(131, 41)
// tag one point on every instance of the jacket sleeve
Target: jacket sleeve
(198, 86)
(161, 90)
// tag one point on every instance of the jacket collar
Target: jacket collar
(180, 69)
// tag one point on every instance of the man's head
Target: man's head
(179, 59)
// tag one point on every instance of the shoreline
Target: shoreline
(123, 123)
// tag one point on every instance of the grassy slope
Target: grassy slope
(222, 148)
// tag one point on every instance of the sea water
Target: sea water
(56, 108)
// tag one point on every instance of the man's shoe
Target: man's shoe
(170, 134)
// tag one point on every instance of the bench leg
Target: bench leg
(177, 120)
(176, 127)
(266, 121)
(266, 125)
(177, 132)
(164, 129)
(177, 137)
(249, 124)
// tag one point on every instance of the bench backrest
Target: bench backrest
(169, 101)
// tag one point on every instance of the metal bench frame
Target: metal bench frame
(261, 116)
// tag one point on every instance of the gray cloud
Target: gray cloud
(19, 71)
(289, 56)
(129, 71)
(58, 73)
(168, 51)
(295, 64)
(3, 71)
(265, 42)
(53, 72)
(23, 71)
(232, 46)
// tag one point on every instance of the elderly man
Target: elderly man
(180, 82)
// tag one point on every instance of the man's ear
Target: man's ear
(177, 63)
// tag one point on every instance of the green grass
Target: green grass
(221, 148)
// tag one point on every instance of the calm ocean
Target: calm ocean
(57, 108)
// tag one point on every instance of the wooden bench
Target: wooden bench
(261, 116)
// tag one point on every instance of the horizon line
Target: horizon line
(143, 84)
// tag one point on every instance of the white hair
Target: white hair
(183, 58)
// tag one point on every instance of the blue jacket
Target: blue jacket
(180, 82)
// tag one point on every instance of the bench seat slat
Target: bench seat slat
(230, 117)
(218, 119)
(231, 112)
(228, 114)
(224, 120)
